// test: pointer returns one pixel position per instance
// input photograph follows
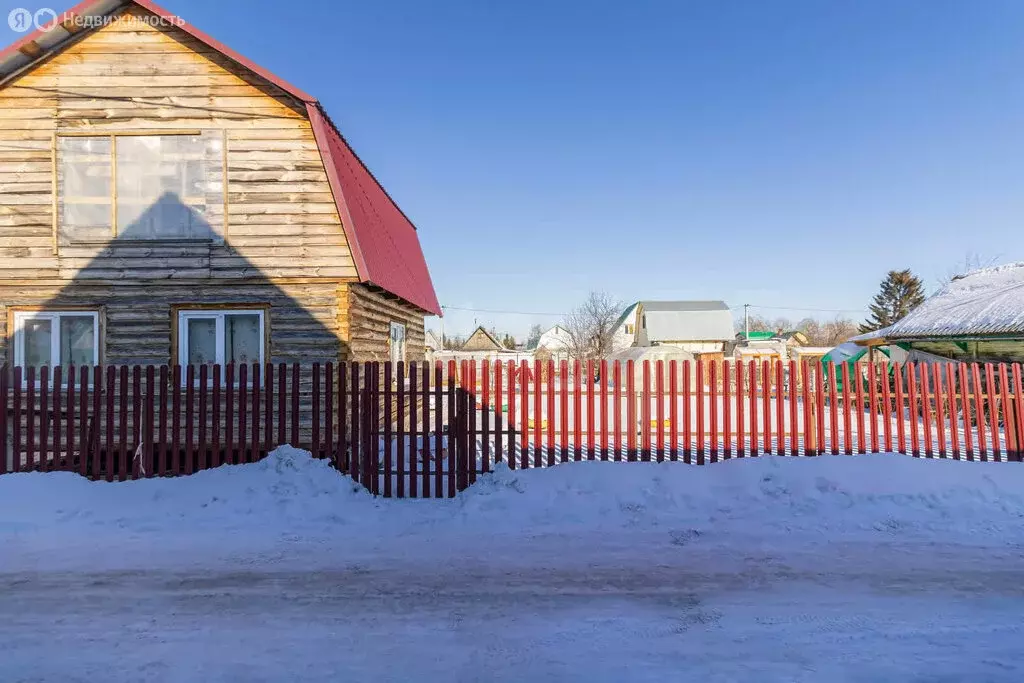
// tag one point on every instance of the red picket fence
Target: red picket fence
(421, 430)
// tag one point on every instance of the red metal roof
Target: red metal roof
(383, 240)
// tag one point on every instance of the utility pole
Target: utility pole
(746, 322)
(442, 328)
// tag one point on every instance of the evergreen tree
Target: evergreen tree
(534, 338)
(900, 293)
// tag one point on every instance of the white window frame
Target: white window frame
(391, 340)
(218, 315)
(54, 316)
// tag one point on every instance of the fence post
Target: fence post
(30, 420)
(4, 392)
(993, 412)
(645, 412)
(454, 439)
(1018, 410)
(940, 418)
(314, 445)
(91, 438)
(713, 412)
(538, 409)
(387, 428)
(296, 437)
(425, 412)
(400, 419)
(341, 460)
(243, 411)
(699, 372)
(792, 395)
(471, 418)
(485, 417)
(755, 445)
(44, 411)
(268, 408)
(741, 429)
(926, 408)
(954, 419)
(726, 411)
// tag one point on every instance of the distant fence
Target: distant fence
(427, 430)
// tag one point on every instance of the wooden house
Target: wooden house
(482, 340)
(163, 200)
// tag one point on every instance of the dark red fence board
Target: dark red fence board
(414, 435)
(30, 419)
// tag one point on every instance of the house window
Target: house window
(208, 337)
(142, 187)
(56, 338)
(629, 329)
(397, 343)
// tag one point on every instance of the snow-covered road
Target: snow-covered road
(772, 570)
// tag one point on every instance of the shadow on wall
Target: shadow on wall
(167, 288)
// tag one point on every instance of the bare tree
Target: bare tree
(759, 323)
(590, 326)
(972, 261)
(454, 342)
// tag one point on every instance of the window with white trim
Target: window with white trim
(208, 337)
(396, 343)
(56, 339)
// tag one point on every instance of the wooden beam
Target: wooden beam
(71, 24)
(32, 49)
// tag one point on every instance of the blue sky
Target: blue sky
(780, 153)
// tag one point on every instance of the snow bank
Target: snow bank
(291, 493)
(287, 486)
(888, 493)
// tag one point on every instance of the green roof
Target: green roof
(758, 335)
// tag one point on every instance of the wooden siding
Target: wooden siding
(131, 76)
(137, 320)
(364, 323)
(480, 340)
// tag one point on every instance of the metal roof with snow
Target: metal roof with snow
(384, 244)
(674, 321)
(983, 303)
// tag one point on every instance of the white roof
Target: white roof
(985, 302)
(688, 321)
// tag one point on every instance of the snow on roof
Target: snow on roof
(984, 302)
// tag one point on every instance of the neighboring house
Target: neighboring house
(555, 339)
(977, 316)
(793, 338)
(624, 330)
(553, 344)
(699, 327)
(165, 200)
(482, 340)
(431, 342)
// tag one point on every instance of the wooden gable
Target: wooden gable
(482, 340)
(279, 215)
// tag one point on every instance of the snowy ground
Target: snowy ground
(870, 568)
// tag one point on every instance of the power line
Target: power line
(801, 308)
(490, 310)
(558, 315)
